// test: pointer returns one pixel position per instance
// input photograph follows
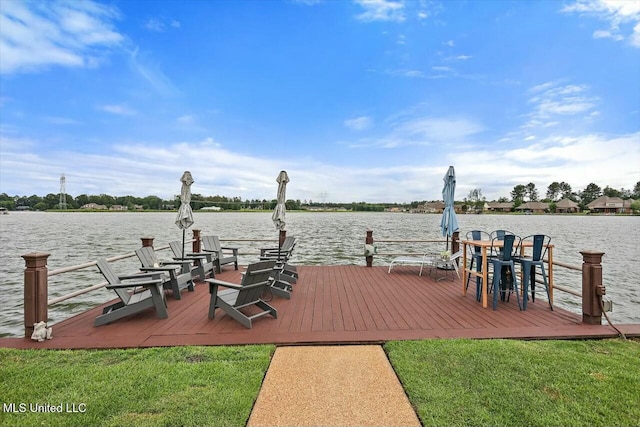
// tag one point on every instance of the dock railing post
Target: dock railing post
(35, 290)
(282, 237)
(147, 241)
(195, 245)
(592, 288)
(455, 242)
(369, 241)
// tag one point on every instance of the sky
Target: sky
(359, 101)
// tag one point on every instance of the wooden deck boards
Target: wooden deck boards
(331, 304)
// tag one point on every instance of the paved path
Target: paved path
(332, 386)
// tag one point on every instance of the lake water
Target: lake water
(323, 238)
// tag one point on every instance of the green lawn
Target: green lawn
(521, 383)
(179, 386)
(449, 382)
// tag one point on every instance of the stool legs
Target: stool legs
(528, 279)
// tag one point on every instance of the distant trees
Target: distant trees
(553, 191)
(589, 194)
(475, 199)
(562, 190)
(517, 195)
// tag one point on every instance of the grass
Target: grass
(449, 382)
(520, 383)
(178, 386)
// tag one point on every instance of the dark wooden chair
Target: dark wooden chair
(203, 262)
(237, 300)
(179, 272)
(212, 244)
(131, 303)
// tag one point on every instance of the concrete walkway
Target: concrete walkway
(332, 386)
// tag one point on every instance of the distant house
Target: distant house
(138, 207)
(566, 206)
(94, 206)
(500, 206)
(607, 205)
(627, 206)
(430, 207)
(534, 207)
(118, 208)
(211, 208)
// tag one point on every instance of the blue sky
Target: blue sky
(357, 100)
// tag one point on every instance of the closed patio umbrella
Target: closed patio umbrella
(449, 221)
(184, 219)
(278, 216)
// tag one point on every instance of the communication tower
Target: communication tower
(63, 192)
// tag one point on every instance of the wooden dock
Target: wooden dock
(331, 304)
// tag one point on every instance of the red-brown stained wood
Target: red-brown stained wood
(331, 304)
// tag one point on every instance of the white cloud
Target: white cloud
(413, 129)
(186, 119)
(359, 123)
(154, 24)
(579, 160)
(147, 168)
(381, 10)
(151, 72)
(119, 110)
(64, 121)
(620, 14)
(70, 34)
(160, 25)
(552, 99)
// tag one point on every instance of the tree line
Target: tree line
(555, 192)
(520, 194)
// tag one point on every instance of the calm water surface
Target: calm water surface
(323, 238)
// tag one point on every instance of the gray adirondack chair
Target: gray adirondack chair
(282, 253)
(212, 244)
(203, 262)
(289, 272)
(132, 303)
(179, 271)
(245, 295)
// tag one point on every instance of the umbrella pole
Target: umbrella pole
(183, 232)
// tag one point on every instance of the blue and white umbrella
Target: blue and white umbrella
(449, 221)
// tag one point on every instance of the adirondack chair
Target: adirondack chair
(283, 253)
(132, 303)
(212, 244)
(179, 271)
(247, 294)
(203, 262)
(282, 285)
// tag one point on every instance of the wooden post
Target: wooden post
(369, 241)
(195, 246)
(147, 241)
(455, 242)
(283, 235)
(35, 290)
(592, 288)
